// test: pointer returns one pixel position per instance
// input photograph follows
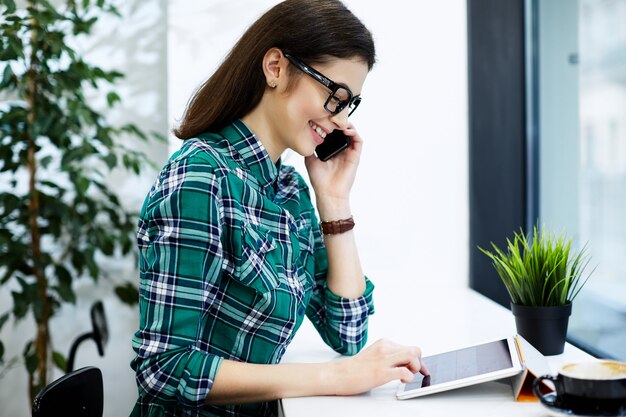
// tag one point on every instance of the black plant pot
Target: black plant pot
(543, 327)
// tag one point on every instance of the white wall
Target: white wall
(410, 199)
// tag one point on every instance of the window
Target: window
(581, 99)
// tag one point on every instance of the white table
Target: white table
(436, 318)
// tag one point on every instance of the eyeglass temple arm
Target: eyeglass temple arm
(311, 71)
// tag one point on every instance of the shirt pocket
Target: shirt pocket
(306, 261)
(256, 267)
(306, 240)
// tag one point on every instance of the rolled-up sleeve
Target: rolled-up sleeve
(184, 377)
(180, 262)
(341, 322)
(344, 327)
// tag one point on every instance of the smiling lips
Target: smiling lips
(319, 135)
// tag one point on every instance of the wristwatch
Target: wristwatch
(337, 226)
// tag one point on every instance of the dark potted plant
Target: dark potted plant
(542, 276)
(58, 213)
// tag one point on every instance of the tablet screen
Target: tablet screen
(463, 363)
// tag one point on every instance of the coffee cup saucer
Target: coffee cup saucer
(556, 411)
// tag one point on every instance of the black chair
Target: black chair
(76, 394)
(99, 333)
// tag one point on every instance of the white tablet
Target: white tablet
(463, 367)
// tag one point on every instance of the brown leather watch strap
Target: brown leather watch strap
(337, 226)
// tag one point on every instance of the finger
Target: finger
(423, 369)
(354, 135)
(355, 139)
(413, 368)
(409, 357)
(420, 367)
(349, 131)
(401, 373)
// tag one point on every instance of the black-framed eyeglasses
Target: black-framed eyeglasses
(340, 96)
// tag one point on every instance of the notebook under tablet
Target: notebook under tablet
(463, 367)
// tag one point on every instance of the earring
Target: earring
(272, 84)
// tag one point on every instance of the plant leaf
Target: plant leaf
(113, 98)
(20, 304)
(30, 358)
(127, 293)
(59, 361)
(10, 6)
(64, 287)
(3, 319)
(543, 271)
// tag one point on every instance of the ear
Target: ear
(274, 67)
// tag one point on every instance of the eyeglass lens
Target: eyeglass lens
(339, 99)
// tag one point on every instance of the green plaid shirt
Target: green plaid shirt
(231, 259)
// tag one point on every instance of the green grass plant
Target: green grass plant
(542, 272)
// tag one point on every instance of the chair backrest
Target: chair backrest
(76, 394)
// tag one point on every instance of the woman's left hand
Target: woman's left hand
(332, 180)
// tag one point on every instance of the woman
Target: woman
(231, 253)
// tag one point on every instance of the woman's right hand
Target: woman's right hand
(382, 362)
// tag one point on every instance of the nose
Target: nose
(340, 119)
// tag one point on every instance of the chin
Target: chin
(304, 153)
(305, 150)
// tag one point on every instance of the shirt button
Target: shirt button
(300, 311)
(259, 244)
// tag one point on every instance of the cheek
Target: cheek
(306, 103)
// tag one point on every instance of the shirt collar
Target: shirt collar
(252, 152)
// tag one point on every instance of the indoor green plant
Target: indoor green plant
(543, 275)
(58, 215)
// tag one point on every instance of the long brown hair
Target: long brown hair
(312, 30)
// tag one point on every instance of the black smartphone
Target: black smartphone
(334, 143)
